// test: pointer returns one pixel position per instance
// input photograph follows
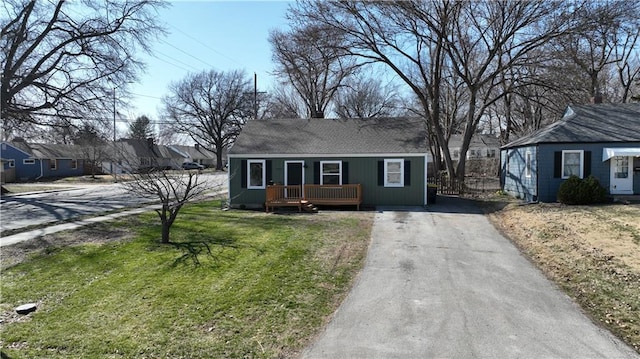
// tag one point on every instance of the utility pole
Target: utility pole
(114, 169)
(255, 95)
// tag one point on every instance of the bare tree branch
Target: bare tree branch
(61, 59)
(211, 108)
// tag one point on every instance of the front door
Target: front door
(621, 175)
(293, 176)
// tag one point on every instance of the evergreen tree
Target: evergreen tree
(141, 128)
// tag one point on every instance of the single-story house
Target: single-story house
(330, 161)
(482, 156)
(35, 161)
(602, 140)
(196, 154)
(135, 155)
(482, 146)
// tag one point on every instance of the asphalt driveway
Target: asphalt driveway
(443, 283)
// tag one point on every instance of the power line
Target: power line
(173, 64)
(188, 54)
(141, 95)
(207, 46)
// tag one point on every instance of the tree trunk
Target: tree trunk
(219, 159)
(166, 228)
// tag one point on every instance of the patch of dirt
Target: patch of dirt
(96, 233)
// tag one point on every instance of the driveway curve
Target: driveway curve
(443, 283)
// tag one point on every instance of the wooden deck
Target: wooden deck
(308, 195)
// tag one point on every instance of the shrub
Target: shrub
(581, 191)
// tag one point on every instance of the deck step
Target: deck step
(309, 207)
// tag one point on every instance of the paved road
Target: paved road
(52, 206)
(445, 284)
(22, 210)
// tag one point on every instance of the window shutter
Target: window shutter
(587, 164)
(316, 172)
(269, 172)
(380, 173)
(407, 173)
(557, 164)
(243, 174)
(345, 172)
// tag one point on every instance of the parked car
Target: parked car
(192, 166)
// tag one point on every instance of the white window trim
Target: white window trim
(264, 174)
(581, 152)
(12, 163)
(386, 168)
(53, 164)
(74, 164)
(527, 164)
(339, 174)
(29, 161)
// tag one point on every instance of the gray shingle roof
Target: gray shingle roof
(331, 137)
(478, 140)
(48, 151)
(589, 124)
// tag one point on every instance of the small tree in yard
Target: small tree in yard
(173, 189)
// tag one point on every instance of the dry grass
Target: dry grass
(592, 252)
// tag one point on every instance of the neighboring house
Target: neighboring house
(135, 155)
(482, 146)
(196, 154)
(385, 159)
(482, 156)
(35, 161)
(602, 140)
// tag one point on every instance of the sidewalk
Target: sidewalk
(24, 236)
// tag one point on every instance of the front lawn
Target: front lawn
(239, 284)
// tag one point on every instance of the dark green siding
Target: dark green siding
(360, 170)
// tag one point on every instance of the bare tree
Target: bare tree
(362, 97)
(604, 43)
(61, 59)
(141, 128)
(421, 41)
(309, 59)
(92, 145)
(210, 107)
(172, 189)
(283, 102)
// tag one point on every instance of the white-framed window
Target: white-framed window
(12, 163)
(330, 172)
(28, 161)
(527, 165)
(394, 172)
(256, 174)
(53, 164)
(572, 163)
(491, 153)
(74, 164)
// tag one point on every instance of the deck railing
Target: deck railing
(280, 192)
(281, 195)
